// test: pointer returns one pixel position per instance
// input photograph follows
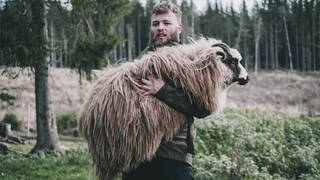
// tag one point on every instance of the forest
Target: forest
(274, 34)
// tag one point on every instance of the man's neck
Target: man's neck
(152, 46)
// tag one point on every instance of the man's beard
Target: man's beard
(174, 39)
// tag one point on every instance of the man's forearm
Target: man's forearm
(180, 101)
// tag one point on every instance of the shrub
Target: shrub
(66, 121)
(13, 120)
(251, 144)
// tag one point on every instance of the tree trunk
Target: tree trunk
(128, 39)
(297, 50)
(53, 56)
(276, 64)
(271, 39)
(267, 51)
(1, 52)
(47, 136)
(238, 39)
(139, 36)
(318, 45)
(246, 53)
(308, 53)
(192, 19)
(272, 48)
(129, 48)
(65, 49)
(313, 43)
(257, 39)
(303, 59)
(114, 52)
(1, 57)
(287, 39)
(120, 45)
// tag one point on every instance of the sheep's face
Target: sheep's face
(231, 58)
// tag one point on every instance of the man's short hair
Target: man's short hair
(165, 7)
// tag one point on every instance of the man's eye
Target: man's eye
(155, 24)
(167, 23)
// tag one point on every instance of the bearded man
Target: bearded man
(173, 160)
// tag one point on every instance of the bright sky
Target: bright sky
(201, 5)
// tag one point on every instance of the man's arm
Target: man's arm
(174, 97)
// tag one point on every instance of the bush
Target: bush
(13, 120)
(251, 144)
(67, 121)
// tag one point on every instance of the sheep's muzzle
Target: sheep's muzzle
(241, 81)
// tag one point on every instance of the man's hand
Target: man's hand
(152, 86)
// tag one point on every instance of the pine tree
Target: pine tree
(25, 41)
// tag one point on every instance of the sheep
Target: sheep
(123, 128)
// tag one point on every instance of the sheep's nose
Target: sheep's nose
(243, 81)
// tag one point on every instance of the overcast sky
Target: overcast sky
(201, 5)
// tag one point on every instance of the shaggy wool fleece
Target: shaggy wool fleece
(124, 128)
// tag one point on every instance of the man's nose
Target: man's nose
(161, 26)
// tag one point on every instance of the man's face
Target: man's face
(164, 28)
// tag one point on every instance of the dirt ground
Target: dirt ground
(285, 92)
(290, 93)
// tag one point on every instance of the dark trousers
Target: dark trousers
(161, 169)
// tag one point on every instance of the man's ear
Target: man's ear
(180, 28)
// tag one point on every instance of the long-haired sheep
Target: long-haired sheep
(124, 128)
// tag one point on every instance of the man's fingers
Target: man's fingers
(146, 93)
(145, 87)
(151, 85)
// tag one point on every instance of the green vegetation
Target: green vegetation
(250, 144)
(66, 121)
(12, 119)
(235, 144)
(7, 98)
(73, 164)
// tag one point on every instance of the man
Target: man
(173, 159)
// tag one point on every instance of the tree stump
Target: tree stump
(6, 134)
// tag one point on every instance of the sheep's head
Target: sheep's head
(231, 58)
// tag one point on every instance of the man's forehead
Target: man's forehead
(169, 16)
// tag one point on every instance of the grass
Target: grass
(74, 164)
(236, 144)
